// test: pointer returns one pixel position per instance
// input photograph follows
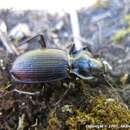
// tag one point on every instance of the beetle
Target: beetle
(49, 64)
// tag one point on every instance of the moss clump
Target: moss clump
(127, 19)
(120, 35)
(102, 4)
(106, 112)
(53, 122)
(123, 33)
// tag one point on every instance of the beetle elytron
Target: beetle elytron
(45, 65)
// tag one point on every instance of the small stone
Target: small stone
(1, 113)
(19, 31)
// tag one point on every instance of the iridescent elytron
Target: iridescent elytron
(45, 65)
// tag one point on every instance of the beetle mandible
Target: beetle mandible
(45, 65)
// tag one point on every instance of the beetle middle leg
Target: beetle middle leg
(69, 87)
(73, 50)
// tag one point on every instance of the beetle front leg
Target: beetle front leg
(73, 50)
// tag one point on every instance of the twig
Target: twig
(22, 124)
(26, 93)
(7, 44)
(3, 39)
(35, 124)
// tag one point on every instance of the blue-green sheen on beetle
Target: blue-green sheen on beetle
(44, 65)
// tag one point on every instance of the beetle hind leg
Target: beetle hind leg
(42, 40)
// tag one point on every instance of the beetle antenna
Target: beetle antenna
(108, 82)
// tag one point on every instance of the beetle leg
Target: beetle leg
(42, 40)
(43, 43)
(87, 49)
(70, 86)
(72, 49)
(83, 77)
(63, 96)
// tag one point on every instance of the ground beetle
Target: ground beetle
(45, 65)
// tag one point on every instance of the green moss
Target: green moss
(127, 19)
(53, 122)
(123, 33)
(120, 35)
(102, 112)
(102, 4)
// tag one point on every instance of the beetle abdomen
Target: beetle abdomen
(40, 65)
